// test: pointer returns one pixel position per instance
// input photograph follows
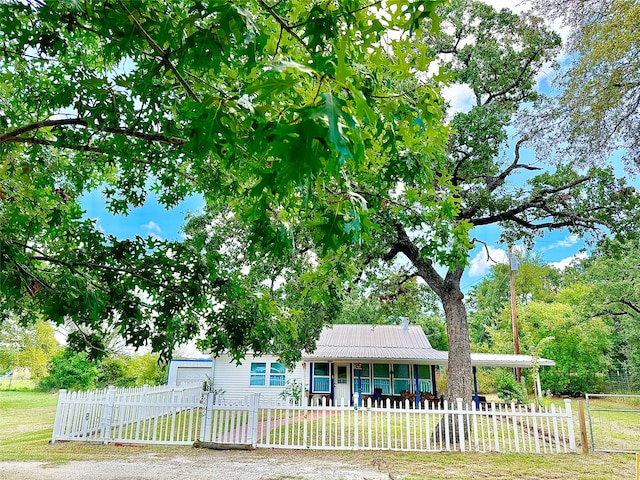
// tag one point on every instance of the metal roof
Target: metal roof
(389, 342)
(393, 342)
(507, 360)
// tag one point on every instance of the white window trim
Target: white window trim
(314, 376)
(267, 375)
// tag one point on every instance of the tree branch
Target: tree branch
(537, 201)
(284, 24)
(164, 55)
(49, 143)
(424, 267)
(14, 135)
(500, 179)
(630, 305)
(516, 82)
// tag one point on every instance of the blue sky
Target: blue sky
(150, 219)
(153, 219)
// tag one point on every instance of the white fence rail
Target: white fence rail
(183, 416)
(493, 428)
(159, 415)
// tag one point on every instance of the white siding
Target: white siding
(234, 379)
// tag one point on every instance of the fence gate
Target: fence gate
(230, 424)
(614, 422)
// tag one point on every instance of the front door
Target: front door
(341, 388)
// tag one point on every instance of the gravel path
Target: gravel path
(224, 465)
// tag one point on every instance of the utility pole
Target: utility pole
(513, 266)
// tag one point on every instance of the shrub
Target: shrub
(293, 389)
(72, 371)
(509, 390)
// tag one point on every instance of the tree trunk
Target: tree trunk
(459, 384)
(448, 289)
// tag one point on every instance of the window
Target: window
(277, 375)
(424, 379)
(401, 379)
(381, 378)
(321, 378)
(365, 379)
(342, 375)
(258, 374)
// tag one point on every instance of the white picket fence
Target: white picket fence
(183, 416)
(401, 426)
(159, 415)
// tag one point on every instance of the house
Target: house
(352, 362)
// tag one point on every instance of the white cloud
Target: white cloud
(514, 6)
(567, 262)
(570, 241)
(567, 242)
(460, 98)
(99, 227)
(485, 259)
(152, 226)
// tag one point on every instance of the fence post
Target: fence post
(254, 404)
(570, 431)
(583, 427)
(555, 428)
(447, 416)
(496, 441)
(62, 397)
(356, 427)
(205, 426)
(107, 414)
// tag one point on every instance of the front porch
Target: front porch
(355, 382)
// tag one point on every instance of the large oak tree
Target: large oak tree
(498, 56)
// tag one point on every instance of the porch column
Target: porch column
(360, 386)
(475, 388)
(417, 389)
(433, 381)
(332, 384)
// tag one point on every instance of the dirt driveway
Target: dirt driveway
(204, 464)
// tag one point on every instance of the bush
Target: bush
(131, 371)
(145, 369)
(293, 389)
(72, 371)
(509, 390)
(114, 371)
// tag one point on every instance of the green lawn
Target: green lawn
(16, 384)
(26, 423)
